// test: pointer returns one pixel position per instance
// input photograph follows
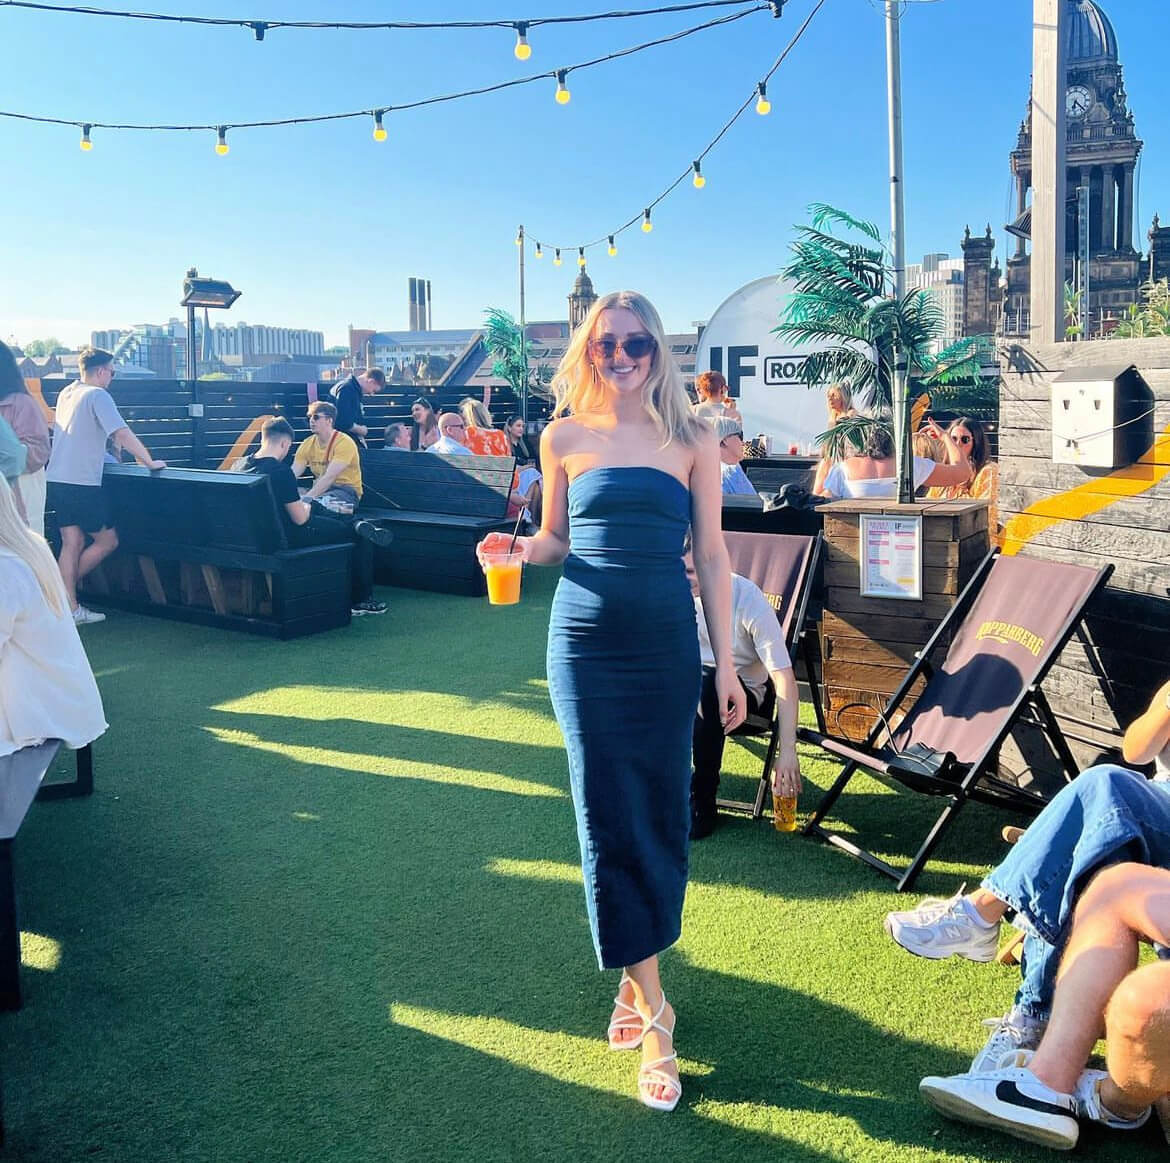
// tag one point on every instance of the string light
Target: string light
(260, 27)
(557, 257)
(313, 119)
(221, 145)
(520, 238)
(523, 49)
(539, 252)
(581, 257)
(694, 171)
(86, 144)
(380, 133)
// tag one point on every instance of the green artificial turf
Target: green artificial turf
(325, 904)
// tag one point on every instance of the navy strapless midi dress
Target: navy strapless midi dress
(624, 677)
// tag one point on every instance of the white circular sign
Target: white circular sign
(762, 370)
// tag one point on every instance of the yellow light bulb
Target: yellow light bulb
(523, 49)
(580, 257)
(563, 94)
(699, 181)
(380, 133)
(86, 144)
(221, 145)
(557, 259)
(612, 247)
(539, 252)
(647, 225)
(763, 106)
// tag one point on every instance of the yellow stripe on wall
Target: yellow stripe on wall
(1091, 497)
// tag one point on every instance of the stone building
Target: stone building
(1102, 153)
(581, 298)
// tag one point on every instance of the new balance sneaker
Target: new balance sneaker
(1012, 1100)
(1087, 1096)
(939, 929)
(1013, 1032)
(85, 617)
(368, 607)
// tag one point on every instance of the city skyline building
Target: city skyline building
(941, 276)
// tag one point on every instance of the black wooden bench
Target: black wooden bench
(21, 775)
(439, 507)
(211, 548)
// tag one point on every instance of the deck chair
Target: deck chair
(784, 566)
(1007, 628)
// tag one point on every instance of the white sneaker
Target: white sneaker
(1012, 1100)
(939, 929)
(1087, 1096)
(1012, 1033)
(84, 617)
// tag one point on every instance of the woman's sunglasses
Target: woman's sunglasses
(635, 346)
(965, 439)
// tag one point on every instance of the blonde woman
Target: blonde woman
(47, 690)
(482, 437)
(627, 469)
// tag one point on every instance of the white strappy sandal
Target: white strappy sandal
(652, 1074)
(628, 1019)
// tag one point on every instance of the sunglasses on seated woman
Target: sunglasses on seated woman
(635, 346)
(958, 438)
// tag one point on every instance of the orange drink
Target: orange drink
(502, 571)
(784, 813)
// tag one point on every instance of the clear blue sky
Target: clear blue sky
(320, 226)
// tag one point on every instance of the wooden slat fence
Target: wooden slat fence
(195, 424)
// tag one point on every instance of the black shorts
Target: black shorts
(83, 505)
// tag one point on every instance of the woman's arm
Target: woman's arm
(714, 570)
(550, 546)
(1149, 735)
(948, 474)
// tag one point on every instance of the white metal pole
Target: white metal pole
(523, 338)
(898, 245)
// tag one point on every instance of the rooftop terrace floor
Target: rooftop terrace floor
(325, 904)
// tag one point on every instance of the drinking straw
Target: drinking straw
(516, 531)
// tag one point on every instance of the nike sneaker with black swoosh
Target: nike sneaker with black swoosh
(1012, 1100)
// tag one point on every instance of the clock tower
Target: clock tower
(1102, 151)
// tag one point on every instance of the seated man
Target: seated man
(735, 480)
(1040, 1096)
(347, 397)
(1106, 815)
(765, 673)
(307, 525)
(452, 436)
(333, 459)
(397, 438)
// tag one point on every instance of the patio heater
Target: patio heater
(200, 292)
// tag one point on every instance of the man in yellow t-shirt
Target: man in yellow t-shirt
(332, 458)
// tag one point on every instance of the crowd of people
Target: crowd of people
(627, 495)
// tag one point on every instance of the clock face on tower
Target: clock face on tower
(1077, 101)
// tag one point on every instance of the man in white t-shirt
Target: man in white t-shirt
(85, 418)
(764, 671)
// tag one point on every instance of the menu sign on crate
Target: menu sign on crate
(891, 557)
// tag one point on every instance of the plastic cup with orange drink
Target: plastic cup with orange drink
(502, 566)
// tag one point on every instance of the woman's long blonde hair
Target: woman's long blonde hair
(32, 549)
(475, 413)
(578, 388)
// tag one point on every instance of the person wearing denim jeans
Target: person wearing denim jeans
(1108, 815)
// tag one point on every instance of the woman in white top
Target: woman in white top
(47, 689)
(872, 473)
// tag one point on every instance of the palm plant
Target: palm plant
(845, 299)
(1152, 318)
(512, 354)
